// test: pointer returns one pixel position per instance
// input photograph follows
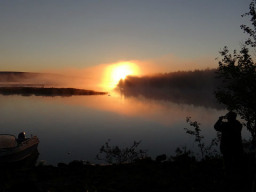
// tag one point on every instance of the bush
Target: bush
(114, 154)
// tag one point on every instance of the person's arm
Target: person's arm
(218, 124)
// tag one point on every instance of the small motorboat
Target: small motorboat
(14, 149)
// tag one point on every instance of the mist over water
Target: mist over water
(190, 87)
(64, 79)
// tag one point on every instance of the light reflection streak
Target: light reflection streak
(163, 112)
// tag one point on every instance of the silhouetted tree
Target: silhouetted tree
(238, 74)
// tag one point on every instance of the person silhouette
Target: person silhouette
(231, 141)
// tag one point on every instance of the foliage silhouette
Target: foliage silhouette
(206, 151)
(161, 158)
(116, 155)
(238, 74)
(251, 31)
(182, 154)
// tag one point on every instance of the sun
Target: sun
(121, 71)
(118, 71)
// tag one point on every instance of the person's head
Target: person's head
(22, 135)
(231, 116)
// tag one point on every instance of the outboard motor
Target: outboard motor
(22, 136)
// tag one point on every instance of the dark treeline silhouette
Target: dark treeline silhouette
(38, 91)
(187, 87)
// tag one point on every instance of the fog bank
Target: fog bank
(190, 87)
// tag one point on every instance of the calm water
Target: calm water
(76, 127)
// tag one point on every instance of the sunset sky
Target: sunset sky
(156, 35)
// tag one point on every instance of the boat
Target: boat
(14, 149)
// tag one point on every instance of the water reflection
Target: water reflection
(160, 111)
(75, 127)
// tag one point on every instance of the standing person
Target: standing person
(231, 141)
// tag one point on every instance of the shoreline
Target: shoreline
(41, 91)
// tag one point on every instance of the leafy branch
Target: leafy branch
(114, 154)
(205, 150)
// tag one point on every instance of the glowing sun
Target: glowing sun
(116, 72)
(121, 71)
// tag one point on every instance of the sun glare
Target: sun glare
(116, 72)
(120, 72)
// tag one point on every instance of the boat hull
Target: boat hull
(22, 151)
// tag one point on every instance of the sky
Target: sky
(157, 35)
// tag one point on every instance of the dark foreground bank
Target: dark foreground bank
(41, 91)
(181, 174)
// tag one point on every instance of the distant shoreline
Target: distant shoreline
(41, 91)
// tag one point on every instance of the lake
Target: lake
(74, 128)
